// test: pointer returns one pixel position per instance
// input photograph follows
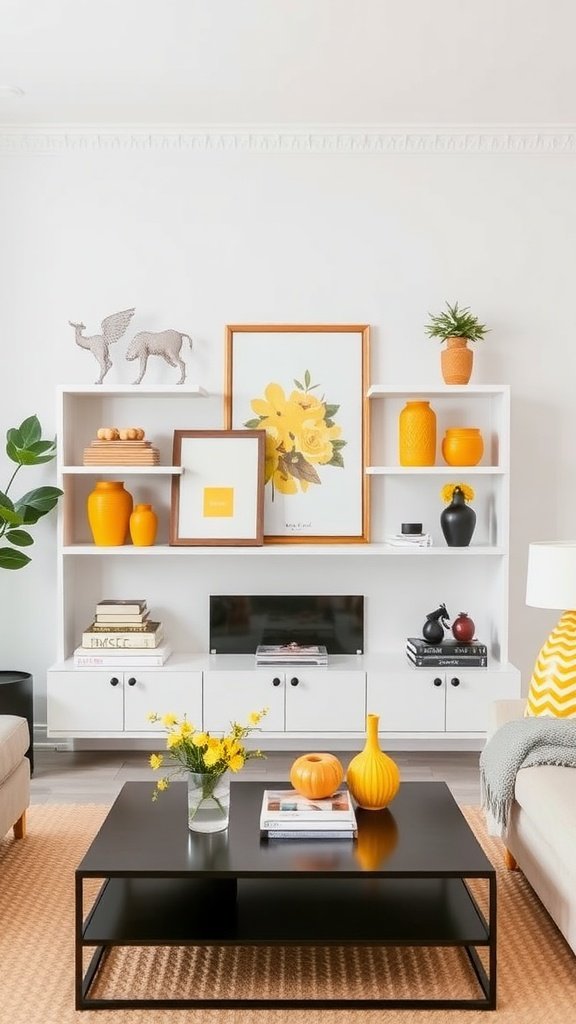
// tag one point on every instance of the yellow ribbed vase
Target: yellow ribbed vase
(552, 690)
(373, 778)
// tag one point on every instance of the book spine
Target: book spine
(97, 661)
(111, 641)
(311, 824)
(281, 833)
(448, 650)
(120, 607)
(119, 627)
(468, 661)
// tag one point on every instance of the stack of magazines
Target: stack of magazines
(291, 654)
(287, 814)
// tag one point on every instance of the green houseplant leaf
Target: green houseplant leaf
(26, 447)
(455, 323)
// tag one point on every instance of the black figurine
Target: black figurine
(433, 628)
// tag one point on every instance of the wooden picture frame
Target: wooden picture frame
(306, 385)
(219, 497)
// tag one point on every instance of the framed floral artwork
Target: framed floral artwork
(218, 498)
(306, 386)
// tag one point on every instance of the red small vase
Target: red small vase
(463, 628)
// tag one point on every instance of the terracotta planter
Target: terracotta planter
(456, 361)
(417, 435)
(373, 778)
(109, 508)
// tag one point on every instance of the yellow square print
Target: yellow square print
(218, 501)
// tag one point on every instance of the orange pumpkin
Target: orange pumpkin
(316, 775)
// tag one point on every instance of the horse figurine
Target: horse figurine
(433, 628)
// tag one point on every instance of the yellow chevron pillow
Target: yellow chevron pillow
(552, 690)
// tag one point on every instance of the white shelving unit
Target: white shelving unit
(417, 708)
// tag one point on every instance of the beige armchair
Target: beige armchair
(14, 775)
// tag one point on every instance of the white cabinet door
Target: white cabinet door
(469, 694)
(162, 691)
(320, 701)
(411, 700)
(231, 696)
(85, 702)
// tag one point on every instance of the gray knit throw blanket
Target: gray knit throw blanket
(521, 744)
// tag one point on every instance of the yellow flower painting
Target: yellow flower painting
(302, 435)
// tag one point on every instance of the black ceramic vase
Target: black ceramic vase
(458, 521)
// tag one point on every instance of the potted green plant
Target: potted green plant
(456, 327)
(26, 447)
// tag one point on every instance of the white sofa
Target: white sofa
(14, 775)
(541, 835)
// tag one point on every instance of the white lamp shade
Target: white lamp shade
(551, 577)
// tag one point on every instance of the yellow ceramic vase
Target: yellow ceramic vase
(373, 778)
(462, 446)
(417, 435)
(143, 526)
(109, 509)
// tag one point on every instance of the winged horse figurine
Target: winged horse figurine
(113, 327)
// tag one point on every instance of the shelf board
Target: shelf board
(441, 390)
(124, 470)
(434, 470)
(135, 390)
(267, 550)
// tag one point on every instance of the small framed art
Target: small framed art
(306, 386)
(219, 496)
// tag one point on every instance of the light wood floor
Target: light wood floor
(96, 777)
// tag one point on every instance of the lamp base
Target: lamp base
(552, 690)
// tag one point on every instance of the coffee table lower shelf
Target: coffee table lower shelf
(280, 911)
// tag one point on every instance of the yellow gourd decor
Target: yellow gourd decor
(373, 778)
(316, 776)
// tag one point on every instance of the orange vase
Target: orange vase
(417, 435)
(462, 446)
(143, 526)
(456, 361)
(109, 508)
(373, 778)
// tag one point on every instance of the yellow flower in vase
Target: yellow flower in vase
(205, 761)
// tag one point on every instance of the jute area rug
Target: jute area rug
(537, 970)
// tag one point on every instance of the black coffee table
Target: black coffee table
(164, 885)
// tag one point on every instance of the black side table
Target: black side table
(16, 698)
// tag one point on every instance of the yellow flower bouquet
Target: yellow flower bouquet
(205, 761)
(301, 435)
(447, 492)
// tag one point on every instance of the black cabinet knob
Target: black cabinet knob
(437, 681)
(276, 681)
(132, 681)
(455, 681)
(294, 681)
(114, 681)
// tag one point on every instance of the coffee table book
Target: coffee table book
(291, 654)
(122, 657)
(286, 814)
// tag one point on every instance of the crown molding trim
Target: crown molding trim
(42, 140)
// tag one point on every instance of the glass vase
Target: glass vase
(208, 802)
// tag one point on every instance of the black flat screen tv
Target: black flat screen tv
(238, 623)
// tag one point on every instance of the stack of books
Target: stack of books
(448, 653)
(286, 814)
(291, 654)
(409, 540)
(122, 630)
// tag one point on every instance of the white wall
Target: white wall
(195, 240)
